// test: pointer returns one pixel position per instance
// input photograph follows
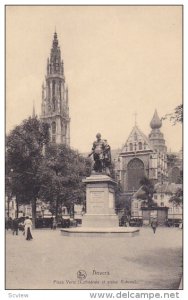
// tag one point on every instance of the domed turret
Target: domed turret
(156, 136)
(155, 123)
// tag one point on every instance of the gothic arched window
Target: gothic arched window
(135, 172)
(53, 102)
(53, 88)
(131, 147)
(140, 145)
(53, 127)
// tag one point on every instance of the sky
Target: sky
(118, 61)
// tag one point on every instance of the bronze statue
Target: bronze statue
(101, 155)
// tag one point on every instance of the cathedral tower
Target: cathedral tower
(55, 102)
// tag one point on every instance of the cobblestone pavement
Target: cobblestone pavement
(51, 261)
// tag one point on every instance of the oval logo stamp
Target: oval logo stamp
(81, 274)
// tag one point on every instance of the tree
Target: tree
(177, 198)
(62, 172)
(148, 190)
(176, 116)
(24, 154)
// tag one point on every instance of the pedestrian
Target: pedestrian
(54, 224)
(154, 225)
(51, 222)
(28, 228)
(15, 226)
(7, 224)
(10, 223)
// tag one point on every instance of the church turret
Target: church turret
(156, 137)
(54, 96)
(155, 123)
(157, 141)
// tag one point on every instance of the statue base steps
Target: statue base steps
(100, 219)
(100, 232)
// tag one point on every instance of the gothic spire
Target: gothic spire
(55, 40)
(55, 64)
(54, 108)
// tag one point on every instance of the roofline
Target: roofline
(140, 152)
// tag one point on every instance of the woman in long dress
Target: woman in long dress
(28, 228)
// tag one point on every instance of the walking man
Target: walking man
(154, 225)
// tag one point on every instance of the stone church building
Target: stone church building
(55, 99)
(143, 156)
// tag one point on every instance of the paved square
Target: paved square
(52, 261)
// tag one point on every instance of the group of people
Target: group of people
(14, 226)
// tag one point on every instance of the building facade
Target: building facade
(175, 167)
(143, 156)
(164, 210)
(55, 98)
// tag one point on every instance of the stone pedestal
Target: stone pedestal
(100, 202)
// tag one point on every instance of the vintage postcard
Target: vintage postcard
(94, 156)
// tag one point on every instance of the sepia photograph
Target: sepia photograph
(94, 147)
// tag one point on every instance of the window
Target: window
(162, 196)
(60, 89)
(135, 171)
(53, 102)
(53, 88)
(53, 132)
(136, 205)
(162, 204)
(140, 146)
(53, 95)
(53, 127)
(48, 88)
(131, 147)
(53, 139)
(155, 197)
